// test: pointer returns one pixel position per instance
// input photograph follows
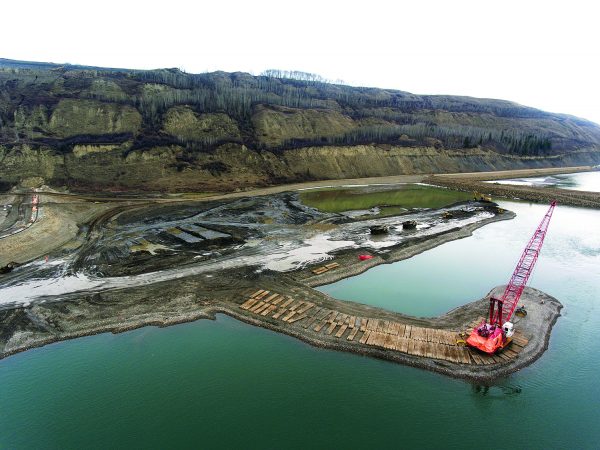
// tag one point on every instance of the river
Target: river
(230, 385)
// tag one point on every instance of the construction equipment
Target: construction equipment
(496, 333)
(478, 196)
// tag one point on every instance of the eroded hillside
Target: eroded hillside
(91, 128)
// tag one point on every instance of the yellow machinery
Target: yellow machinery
(481, 197)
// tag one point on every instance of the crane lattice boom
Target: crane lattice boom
(522, 272)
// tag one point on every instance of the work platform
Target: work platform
(447, 345)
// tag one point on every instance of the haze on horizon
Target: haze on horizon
(537, 53)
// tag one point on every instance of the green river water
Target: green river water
(224, 384)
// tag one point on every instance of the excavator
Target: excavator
(478, 196)
(496, 333)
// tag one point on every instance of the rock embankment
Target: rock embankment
(474, 182)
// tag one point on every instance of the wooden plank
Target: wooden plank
(392, 328)
(407, 331)
(278, 300)
(332, 326)
(381, 326)
(417, 333)
(510, 353)
(389, 341)
(441, 336)
(332, 265)
(297, 318)
(331, 316)
(352, 322)
(414, 348)
(464, 355)
(262, 308)
(520, 341)
(320, 270)
(402, 344)
(353, 333)
(341, 331)
(263, 295)
(287, 302)
(268, 310)
(497, 359)
(320, 325)
(389, 326)
(476, 357)
(296, 305)
(260, 291)
(428, 349)
(271, 297)
(431, 335)
(341, 318)
(249, 303)
(450, 338)
(312, 315)
(310, 322)
(422, 347)
(279, 312)
(401, 328)
(442, 350)
(258, 305)
(288, 316)
(437, 350)
(363, 324)
(365, 337)
(487, 360)
(314, 312)
(372, 324)
(379, 338)
(305, 307)
(373, 336)
(398, 342)
(502, 356)
(453, 354)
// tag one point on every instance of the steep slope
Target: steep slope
(90, 128)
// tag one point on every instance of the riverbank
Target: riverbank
(320, 320)
(475, 182)
(67, 213)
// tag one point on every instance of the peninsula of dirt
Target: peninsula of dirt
(256, 259)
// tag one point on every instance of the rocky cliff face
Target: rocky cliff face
(100, 129)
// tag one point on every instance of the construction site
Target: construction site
(258, 260)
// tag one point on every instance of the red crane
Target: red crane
(496, 334)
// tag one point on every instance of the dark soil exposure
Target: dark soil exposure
(256, 259)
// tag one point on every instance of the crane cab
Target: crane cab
(509, 329)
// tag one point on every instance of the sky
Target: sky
(544, 54)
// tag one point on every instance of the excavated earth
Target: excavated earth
(160, 264)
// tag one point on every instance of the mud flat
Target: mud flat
(189, 279)
(289, 307)
(475, 182)
(286, 303)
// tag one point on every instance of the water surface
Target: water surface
(224, 384)
(392, 197)
(583, 181)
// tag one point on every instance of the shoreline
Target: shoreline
(82, 209)
(186, 305)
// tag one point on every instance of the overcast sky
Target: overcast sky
(544, 54)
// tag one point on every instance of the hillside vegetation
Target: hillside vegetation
(93, 128)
